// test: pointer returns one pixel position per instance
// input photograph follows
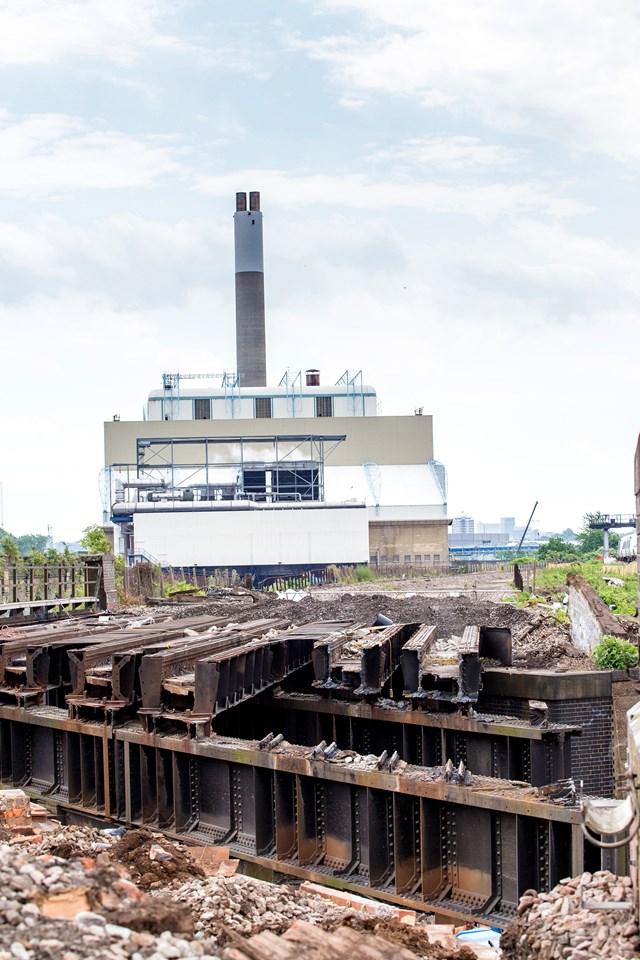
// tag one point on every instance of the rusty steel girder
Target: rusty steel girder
(359, 660)
(92, 668)
(450, 670)
(372, 824)
(120, 728)
(491, 745)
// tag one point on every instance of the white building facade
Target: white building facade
(274, 479)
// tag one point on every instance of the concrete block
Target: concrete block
(589, 616)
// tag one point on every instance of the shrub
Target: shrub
(180, 586)
(363, 574)
(615, 654)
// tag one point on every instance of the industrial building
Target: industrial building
(225, 471)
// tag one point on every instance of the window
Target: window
(427, 557)
(202, 409)
(373, 561)
(407, 558)
(395, 558)
(324, 406)
(436, 558)
(383, 558)
(418, 558)
(263, 408)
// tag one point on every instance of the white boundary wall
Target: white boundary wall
(239, 538)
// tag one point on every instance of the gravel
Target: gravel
(249, 906)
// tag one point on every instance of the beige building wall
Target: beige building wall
(409, 538)
(385, 440)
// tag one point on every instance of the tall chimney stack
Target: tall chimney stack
(250, 330)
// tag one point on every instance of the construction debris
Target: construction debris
(580, 919)
(539, 640)
(86, 907)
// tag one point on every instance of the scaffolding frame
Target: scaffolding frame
(293, 387)
(355, 392)
(171, 391)
(294, 463)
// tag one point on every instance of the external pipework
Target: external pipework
(250, 317)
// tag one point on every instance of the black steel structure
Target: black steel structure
(218, 733)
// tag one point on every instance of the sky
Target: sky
(450, 199)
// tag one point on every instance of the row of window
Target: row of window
(262, 408)
(417, 558)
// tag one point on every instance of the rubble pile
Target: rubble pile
(73, 842)
(87, 907)
(56, 909)
(247, 907)
(572, 922)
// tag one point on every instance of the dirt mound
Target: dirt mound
(137, 849)
(415, 939)
(540, 641)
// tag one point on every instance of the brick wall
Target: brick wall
(409, 538)
(591, 752)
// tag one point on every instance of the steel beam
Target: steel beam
(372, 825)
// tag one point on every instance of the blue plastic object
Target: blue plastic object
(485, 935)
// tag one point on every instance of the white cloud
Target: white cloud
(119, 33)
(151, 259)
(569, 71)
(49, 154)
(556, 260)
(452, 153)
(71, 361)
(46, 31)
(358, 192)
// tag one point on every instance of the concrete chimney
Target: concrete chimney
(251, 354)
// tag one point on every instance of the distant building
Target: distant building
(298, 475)
(508, 526)
(462, 529)
(472, 539)
(268, 480)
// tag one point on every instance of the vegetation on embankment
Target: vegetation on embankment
(551, 582)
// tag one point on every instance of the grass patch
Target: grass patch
(622, 599)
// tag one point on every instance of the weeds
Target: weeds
(621, 599)
(615, 654)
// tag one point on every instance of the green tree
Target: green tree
(557, 551)
(95, 539)
(36, 558)
(31, 541)
(9, 548)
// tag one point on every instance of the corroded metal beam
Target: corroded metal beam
(372, 824)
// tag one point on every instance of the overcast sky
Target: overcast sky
(450, 198)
